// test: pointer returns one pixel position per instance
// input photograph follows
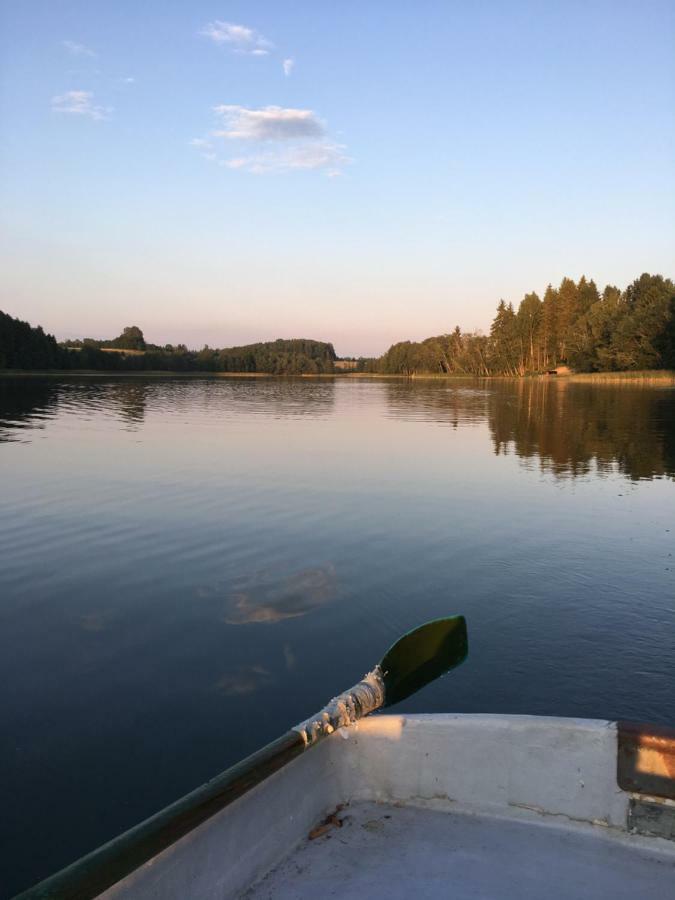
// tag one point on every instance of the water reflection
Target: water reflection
(574, 428)
(243, 681)
(25, 404)
(570, 428)
(283, 398)
(323, 508)
(130, 399)
(270, 596)
(29, 403)
(95, 621)
(446, 403)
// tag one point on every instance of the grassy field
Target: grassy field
(658, 376)
(655, 376)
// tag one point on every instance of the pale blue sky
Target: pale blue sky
(415, 162)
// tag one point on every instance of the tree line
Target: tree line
(25, 347)
(573, 324)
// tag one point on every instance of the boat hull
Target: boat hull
(561, 771)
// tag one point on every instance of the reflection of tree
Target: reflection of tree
(277, 398)
(129, 398)
(572, 427)
(457, 403)
(25, 403)
(284, 398)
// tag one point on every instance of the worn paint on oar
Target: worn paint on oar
(413, 661)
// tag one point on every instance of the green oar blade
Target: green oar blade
(423, 655)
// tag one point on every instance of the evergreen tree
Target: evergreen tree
(529, 325)
(23, 347)
(549, 327)
(644, 334)
(588, 294)
(505, 340)
(568, 309)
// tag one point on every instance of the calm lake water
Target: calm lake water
(188, 567)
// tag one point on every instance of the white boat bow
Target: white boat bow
(459, 806)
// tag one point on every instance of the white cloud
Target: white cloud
(78, 49)
(276, 139)
(271, 123)
(287, 66)
(80, 103)
(301, 157)
(240, 38)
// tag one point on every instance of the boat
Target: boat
(401, 806)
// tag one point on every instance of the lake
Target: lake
(190, 566)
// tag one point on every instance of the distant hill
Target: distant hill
(25, 347)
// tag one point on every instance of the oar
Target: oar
(412, 662)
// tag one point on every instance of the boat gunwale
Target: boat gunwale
(111, 863)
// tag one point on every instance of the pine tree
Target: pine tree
(588, 294)
(549, 327)
(568, 308)
(504, 340)
(643, 335)
(529, 324)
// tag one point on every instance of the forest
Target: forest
(24, 347)
(574, 324)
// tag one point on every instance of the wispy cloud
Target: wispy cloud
(271, 123)
(205, 147)
(80, 103)
(78, 49)
(270, 596)
(244, 680)
(277, 139)
(317, 156)
(287, 65)
(239, 38)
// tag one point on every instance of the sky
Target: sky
(227, 172)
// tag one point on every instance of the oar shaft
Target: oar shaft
(413, 661)
(91, 875)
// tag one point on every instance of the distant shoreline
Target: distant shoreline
(151, 373)
(660, 376)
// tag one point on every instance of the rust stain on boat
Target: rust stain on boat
(332, 820)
